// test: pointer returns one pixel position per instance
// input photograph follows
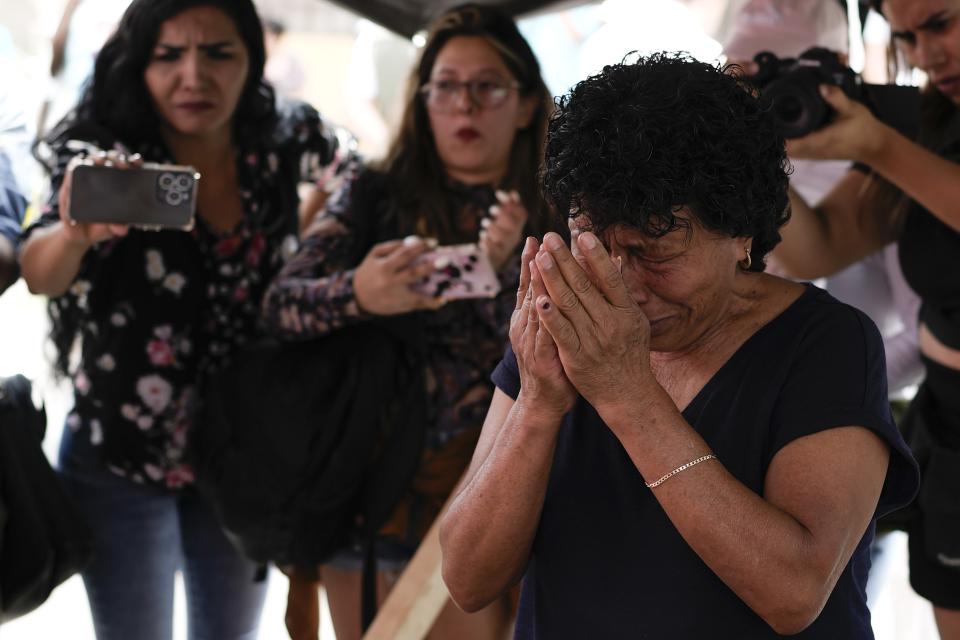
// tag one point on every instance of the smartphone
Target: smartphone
(465, 272)
(153, 196)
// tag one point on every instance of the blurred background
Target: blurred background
(354, 72)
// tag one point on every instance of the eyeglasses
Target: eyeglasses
(443, 96)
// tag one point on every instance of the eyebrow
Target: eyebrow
(207, 47)
(926, 25)
(490, 70)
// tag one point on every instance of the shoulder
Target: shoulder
(820, 321)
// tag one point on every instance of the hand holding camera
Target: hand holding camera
(89, 233)
(792, 87)
(853, 133)
(383, 282)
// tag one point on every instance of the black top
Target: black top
(928, 253)
(608, 563)
(313, 295)
(156, 310)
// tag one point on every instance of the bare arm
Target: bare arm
(819, 241)
(487, 533)
(50, 258)
(781, 552)
(925, 177)
(846, 227)
(489, 528)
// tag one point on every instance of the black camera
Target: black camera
(791, 86)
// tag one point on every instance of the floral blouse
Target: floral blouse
(156, 310)
(465, 339)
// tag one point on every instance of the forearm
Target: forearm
(763, 554)
(841, 229)
(49, 260)
(804, 235)
(300, 308)
(489, 528)
(930, 180)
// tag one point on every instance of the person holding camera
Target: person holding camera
(179, 82)
(461, 169)
(680, 445)
(908, 195)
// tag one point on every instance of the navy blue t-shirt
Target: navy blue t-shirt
(606, 561)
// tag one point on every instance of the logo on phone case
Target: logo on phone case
(174, 188)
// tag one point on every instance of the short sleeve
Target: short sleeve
(507, 374)
(837, 378)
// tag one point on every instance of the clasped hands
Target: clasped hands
(576, 328)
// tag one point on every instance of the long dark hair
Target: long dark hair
(414, 169)
(116, 105)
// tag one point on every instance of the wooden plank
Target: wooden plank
(418, 597)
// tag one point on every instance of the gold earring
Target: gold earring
(747, 262)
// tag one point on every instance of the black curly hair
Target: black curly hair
(641, 140)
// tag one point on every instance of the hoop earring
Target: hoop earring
(747, 262)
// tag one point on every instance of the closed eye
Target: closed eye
(165, 53)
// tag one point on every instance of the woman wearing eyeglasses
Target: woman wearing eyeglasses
(461, 169)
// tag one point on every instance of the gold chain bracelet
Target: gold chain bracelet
(683, 467)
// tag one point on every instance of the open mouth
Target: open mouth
(467, 134)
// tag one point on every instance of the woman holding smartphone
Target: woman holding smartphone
(462, 169)
(180, 82)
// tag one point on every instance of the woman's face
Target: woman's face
(197, 71)
(474, 140)
(683, 281)
(928, 34)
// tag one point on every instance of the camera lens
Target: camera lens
(796, 105)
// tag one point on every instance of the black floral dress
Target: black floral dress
(156, 310)
(313, 295)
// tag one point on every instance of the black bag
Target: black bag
(43, 541)
(303, 446)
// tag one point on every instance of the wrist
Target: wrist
(538, 413)
(635, 407)
(73, 239)
(876, 146)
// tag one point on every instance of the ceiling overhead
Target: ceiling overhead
(406, 17)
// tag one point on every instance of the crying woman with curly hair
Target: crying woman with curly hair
(680, 444)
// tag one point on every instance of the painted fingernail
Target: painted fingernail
(495, 210)
(441, 262)
(432, 243)
(515, 196)
(588, 239)
(485, 223)
(553, 241)
(410, 240)
(502, 196)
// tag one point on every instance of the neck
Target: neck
(475, 177)
(743, 300)
(206, 153)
